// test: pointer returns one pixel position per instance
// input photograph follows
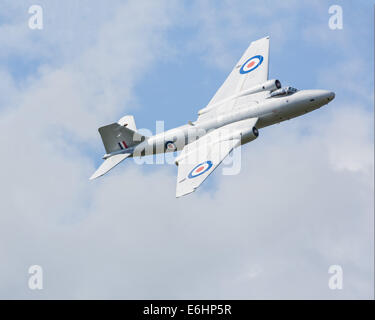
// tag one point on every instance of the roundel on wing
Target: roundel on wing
(251, 64)
(200, 169)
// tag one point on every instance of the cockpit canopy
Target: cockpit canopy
(286, 91)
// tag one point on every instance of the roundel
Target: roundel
(169, 145)
(200, 169)
(251, 64)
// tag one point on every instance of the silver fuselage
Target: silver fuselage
(269, 111)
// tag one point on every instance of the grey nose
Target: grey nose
(331, 95)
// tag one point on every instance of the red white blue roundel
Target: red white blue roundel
(200, 169)
(169, 145)
(251, 64)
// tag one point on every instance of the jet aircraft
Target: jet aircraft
(246, 102)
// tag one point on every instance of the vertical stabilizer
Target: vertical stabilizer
(120, 135)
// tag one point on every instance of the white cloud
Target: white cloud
(350, 139)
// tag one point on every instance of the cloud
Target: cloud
(224, 30)
(300, 216)
(302, 202)
(58, 112)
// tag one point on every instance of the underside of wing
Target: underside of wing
(251, 70)
(201, 157)
(199, 163)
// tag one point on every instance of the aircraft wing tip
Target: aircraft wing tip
(184, 193)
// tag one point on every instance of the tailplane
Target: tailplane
(108, 164)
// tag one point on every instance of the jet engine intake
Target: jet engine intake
(249, 135)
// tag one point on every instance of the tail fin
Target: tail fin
(117, 136)
(120, 135)
(129, 122)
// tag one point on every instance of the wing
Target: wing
(201, 157)
(199, 162)
(251, 69)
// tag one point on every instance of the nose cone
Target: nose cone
(331, 96)
(321, 96)
(327, 95)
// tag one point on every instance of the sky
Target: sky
(303, 201)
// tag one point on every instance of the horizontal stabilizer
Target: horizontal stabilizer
(108, 164)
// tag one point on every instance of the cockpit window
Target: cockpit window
(283, 92)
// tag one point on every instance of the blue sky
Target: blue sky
(302, 202)
(296, 62)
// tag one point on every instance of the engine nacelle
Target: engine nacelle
(269, 85)
(249, 135)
